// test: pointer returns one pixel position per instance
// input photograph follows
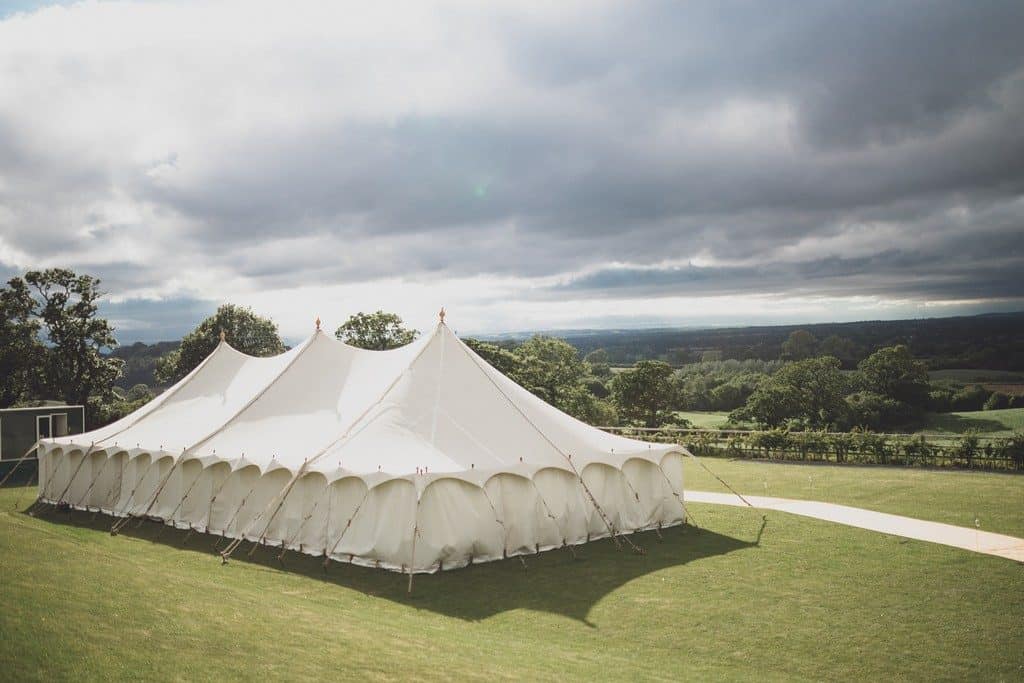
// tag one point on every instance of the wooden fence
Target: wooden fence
(969, 451)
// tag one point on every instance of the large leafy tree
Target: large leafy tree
(646, 394)
(378, 331)
(505, 361)
(892, 372)
(66, 305)
(801, 344)
(551, 369)
(811, 391)
(243, 329)
(21, 351)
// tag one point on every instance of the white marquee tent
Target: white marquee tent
(416, 459)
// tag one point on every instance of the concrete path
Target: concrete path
(1010, 547)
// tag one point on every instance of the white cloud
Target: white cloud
(325, 157)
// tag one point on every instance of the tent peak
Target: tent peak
(318, 323)
(441, 314)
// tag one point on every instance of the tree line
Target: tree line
(54, 345)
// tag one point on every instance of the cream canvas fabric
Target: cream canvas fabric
(416, 459)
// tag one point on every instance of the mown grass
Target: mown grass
(994, 499)
(989, 422)
(807, 600)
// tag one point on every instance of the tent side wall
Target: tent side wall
(454, 522)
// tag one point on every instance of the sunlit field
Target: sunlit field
(792, 599)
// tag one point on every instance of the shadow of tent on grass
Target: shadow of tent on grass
(552, 581)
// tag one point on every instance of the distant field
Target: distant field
(705, 420)
(990, 422)
(972, 375)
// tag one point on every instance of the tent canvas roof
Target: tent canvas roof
(432, 406)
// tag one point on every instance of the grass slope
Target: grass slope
(810, 600)
(991, 422)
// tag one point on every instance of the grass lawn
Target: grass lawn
(991, 422)
(808, 600)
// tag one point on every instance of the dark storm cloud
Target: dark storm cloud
(769, 140)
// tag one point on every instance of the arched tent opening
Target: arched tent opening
(345, 498)
(526, 522)
(106, 492)
(305, 501)
(566, 502)
(253, 517)
(457, 525)
(616, 499)
(381, 533)
(82, 473)
(178, 491)
(656, 505)
(236, 495)
(198, 507)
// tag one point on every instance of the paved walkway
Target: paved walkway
(974, 540)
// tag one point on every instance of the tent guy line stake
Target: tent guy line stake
(231, 521)
(60, 498)
(279, 498)
(721, 481)
(156, 494)
(181, 502)
(412, 553)
(302, 524)
(96, 478)
(347, 525)
(119, 524)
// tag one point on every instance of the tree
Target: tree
(600, 363)
(875, 411)
(378, 331)
(21, 351)
(646, 394)
(771, 405)
(800, 345)
(711, 356)
(503, 360)
(839, 347)
(67, 303)
(243, 330)
(997, 401)
(893, 372)
(811, 391)
(551, 369)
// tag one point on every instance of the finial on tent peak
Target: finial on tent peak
(441, 314)
(318, 323)
(222, 335)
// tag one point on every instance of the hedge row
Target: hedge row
(862, 447)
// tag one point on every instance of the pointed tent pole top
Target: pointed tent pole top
(318, 323)
(441, 314)
(222, 334)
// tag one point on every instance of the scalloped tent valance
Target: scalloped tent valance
(416, 459)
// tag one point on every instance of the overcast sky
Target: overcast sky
(527, 165)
